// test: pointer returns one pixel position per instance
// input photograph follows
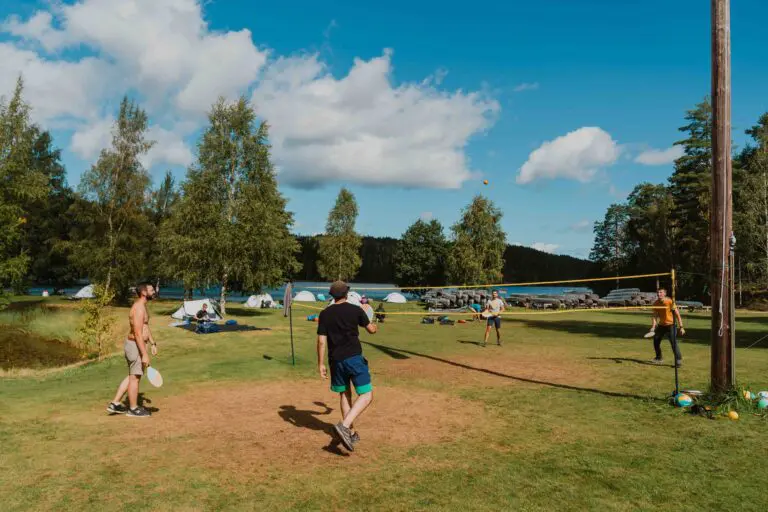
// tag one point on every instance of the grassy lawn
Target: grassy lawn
(566, 415)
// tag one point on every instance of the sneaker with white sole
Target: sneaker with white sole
(113, 408)
(138, 412)
(345, 436)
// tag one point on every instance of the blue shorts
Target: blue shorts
(353, 369)
(494, 321)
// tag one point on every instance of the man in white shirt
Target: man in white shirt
(495, 307)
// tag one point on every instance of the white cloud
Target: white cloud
(38, 28)
(426, 216)
(57, 88)
(577, 155)
(541, 246)
(89, 140)
(169, 149)
(361, 127)
(660, 156)
(527, 86)
(582, 226)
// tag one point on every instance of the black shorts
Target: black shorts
(494, 321)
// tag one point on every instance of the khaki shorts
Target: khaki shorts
(133, 358)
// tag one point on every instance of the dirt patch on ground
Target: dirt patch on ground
(254, 428)
(495, 369)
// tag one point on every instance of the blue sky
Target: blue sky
(571, 91)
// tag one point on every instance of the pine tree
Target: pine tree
(111, 236)
(160, 208)
(339, 247)
(611, 248)
(230, 226)
(650, 233)
(421, 255)
(49, 225)
(476, 255)
(690, 186)
(751, 206)
(22, 185)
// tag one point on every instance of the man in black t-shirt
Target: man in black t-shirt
(338, 329)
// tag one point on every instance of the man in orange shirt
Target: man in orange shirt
(663, 323)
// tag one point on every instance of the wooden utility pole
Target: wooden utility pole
(721, 224)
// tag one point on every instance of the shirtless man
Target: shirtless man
(136, 356)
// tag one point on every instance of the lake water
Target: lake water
(372, 290)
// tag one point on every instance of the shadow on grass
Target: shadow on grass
(763, 320)
(622, 331)
(142, 401)
(305, 418)
(514, 377)
(468, 342)
(227, 328)
(394, 354)
(620, 360)
(247, 312)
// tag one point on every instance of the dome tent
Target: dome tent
(190, 308)
(304, 296)
(86, 292)
(395, 298)
(255, 301)
(352, 298)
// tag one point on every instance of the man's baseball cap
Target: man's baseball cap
(339, 289)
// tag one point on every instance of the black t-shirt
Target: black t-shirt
(339, 322)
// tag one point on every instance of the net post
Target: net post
(675, 348)
(674, 285)
(290, 322)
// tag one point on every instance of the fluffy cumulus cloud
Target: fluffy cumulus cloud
(543, 247)
(365, 129)
(578, 155)
(78, 58)
(660, 156)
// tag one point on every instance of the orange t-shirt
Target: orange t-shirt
(664, 316)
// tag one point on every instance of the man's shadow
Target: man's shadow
(142, 401)
(304, 418)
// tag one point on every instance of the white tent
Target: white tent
(352, 298)
(304, 296)
(396, 298)
(191, 307)
(85, 292)
(255, 301)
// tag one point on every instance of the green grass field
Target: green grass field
(567, 415)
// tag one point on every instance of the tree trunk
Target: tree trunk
(223, 300)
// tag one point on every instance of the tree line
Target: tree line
(225, 224)
(475, 252)
(667, 225)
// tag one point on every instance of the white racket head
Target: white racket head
(486, 314)
(154, 377)
(649, 334)
(368, 311)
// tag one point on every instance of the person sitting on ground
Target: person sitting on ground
(477, 309)
(380, 316)
(203, 315)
